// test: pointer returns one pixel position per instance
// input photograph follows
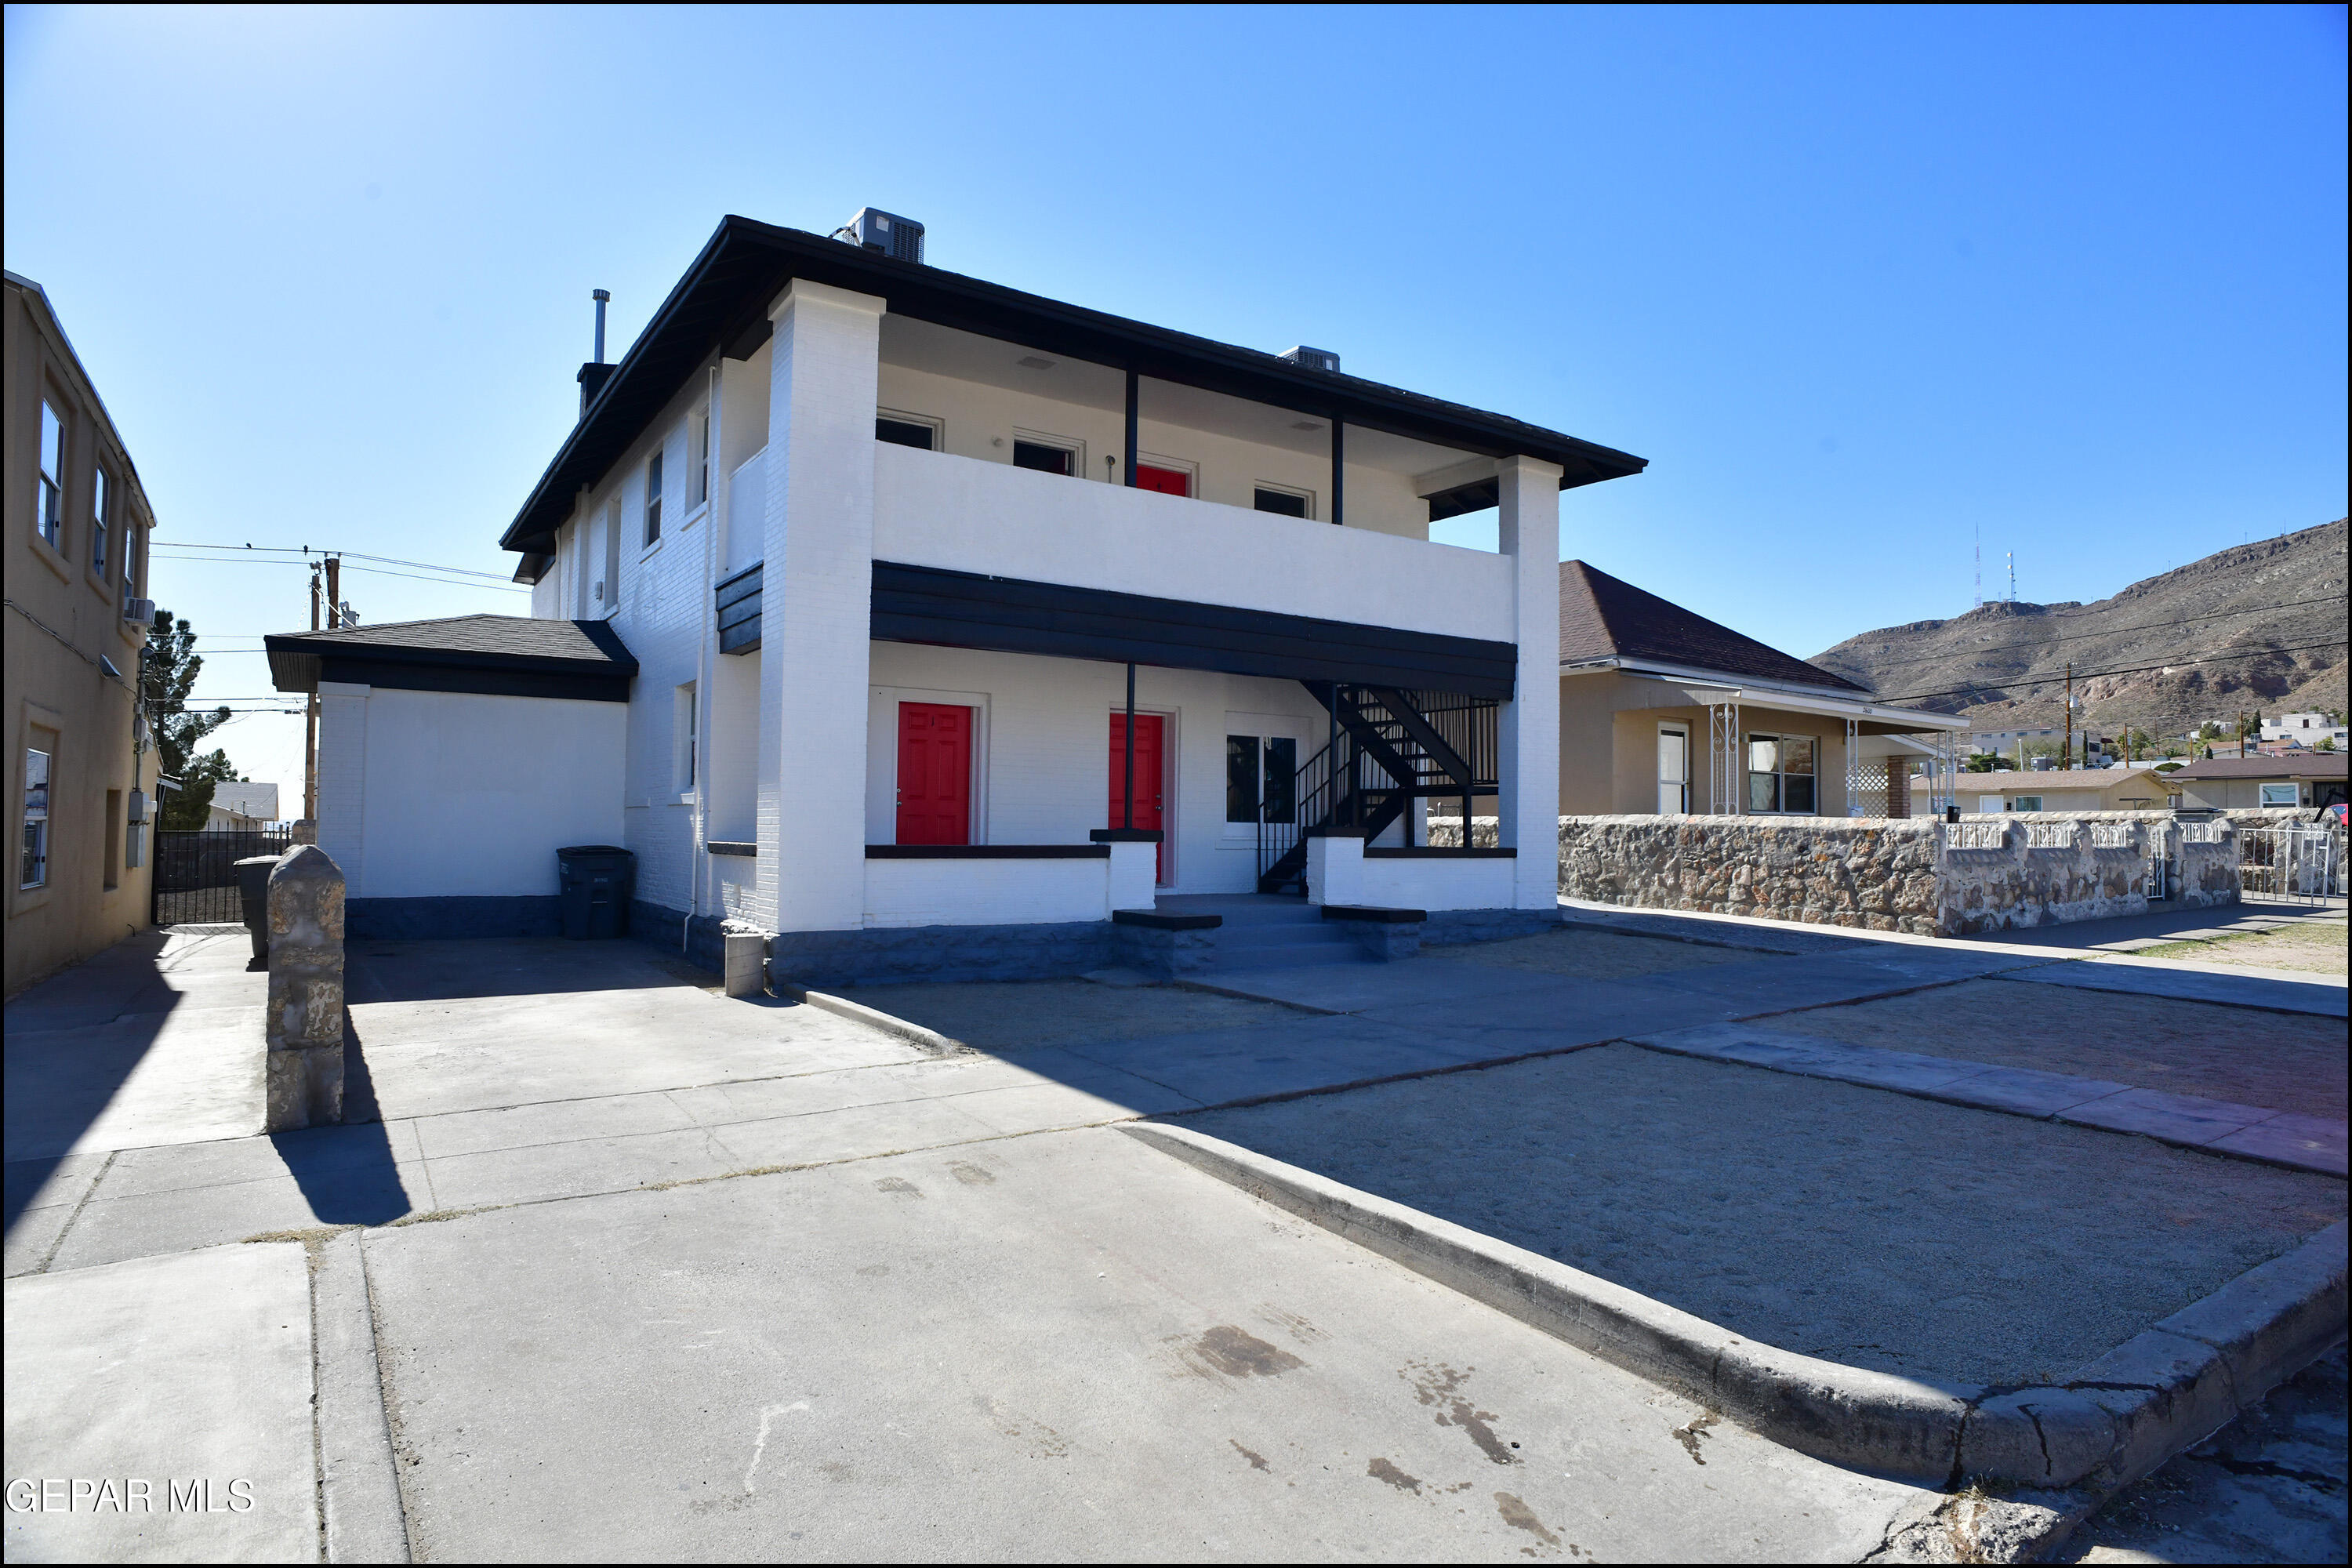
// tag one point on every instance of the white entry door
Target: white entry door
(1673, 769)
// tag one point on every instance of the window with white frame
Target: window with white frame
(1780, 773)
(98, 518)
(2274, 794)
(702, 458)
(33, 870)
(653, 495)
(50, 502)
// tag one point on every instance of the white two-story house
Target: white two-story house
(930, 626)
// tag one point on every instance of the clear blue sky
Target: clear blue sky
(1856, 282)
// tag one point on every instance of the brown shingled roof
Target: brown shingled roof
(1602, 616)
(2310, 765)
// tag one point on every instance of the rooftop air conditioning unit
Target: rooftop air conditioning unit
(1313, 359)
(139, 610)
(899, 239)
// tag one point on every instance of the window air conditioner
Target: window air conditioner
(139, 610)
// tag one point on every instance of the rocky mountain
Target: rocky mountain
(2236, 613)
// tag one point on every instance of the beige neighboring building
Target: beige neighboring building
(81, 785)
(2260, 784)
(1664, 711)
(2133, 788)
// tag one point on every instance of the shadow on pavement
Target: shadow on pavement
(72, 1041)
(454, 971)
(347, 1174)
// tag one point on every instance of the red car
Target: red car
(2333, 813)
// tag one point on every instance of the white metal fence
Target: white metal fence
(2297, 863)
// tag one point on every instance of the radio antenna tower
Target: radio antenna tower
(1981, 566)
(2012, 577)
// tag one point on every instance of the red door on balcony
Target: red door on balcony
(1166, 482)
(934, 773)
(1149, 812)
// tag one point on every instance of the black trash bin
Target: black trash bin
(594, 884)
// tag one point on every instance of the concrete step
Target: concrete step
(1287, 958)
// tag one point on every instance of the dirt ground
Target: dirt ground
(2318, 947)
(2282, 1060)
(1920, 1239)
(1025, 1015)
(1593, 954)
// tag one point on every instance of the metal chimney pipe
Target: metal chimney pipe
(603, 297)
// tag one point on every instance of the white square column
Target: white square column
(816, 606)
(1529, 813)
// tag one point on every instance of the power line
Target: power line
(2090, 674)
(306, 552)
(2118, 631)
(371, 571)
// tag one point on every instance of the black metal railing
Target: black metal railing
(1389, 748)
(195, 873)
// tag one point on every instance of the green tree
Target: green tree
(2326, 743)
(166, 674)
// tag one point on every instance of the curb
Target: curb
(915, 1035)
(2114, 1421)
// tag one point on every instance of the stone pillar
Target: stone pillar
(817, 596)
(304, 1084)
(1527, 818)
(1898, 786)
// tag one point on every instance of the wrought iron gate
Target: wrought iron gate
(2297, 863)
(195, 873)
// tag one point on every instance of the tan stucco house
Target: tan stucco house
(1665, 711)
(2255, 784)
(81, 779)
(2133, 788)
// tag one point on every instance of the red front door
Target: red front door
(1166, 482)
(934, 773)
(1147, 810)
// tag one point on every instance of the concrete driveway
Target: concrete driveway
(627, 1268)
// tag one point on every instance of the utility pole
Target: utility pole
(2066, 752)
(335, 593)
(310, 728)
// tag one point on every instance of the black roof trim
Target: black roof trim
(721, 302)
(463, 652)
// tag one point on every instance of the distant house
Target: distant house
(239, 803)
(2305, 730)
(2135, 788)
(1664, 711)
(2254, 784)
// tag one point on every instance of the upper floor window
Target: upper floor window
(98, 530)
(1045, 458)
(653, 495)
(702, 460)
(129, 563)
(902, 431)
(1288, 503)
(52, 499)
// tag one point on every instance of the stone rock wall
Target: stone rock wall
(1870, 873)
(1914, 875)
